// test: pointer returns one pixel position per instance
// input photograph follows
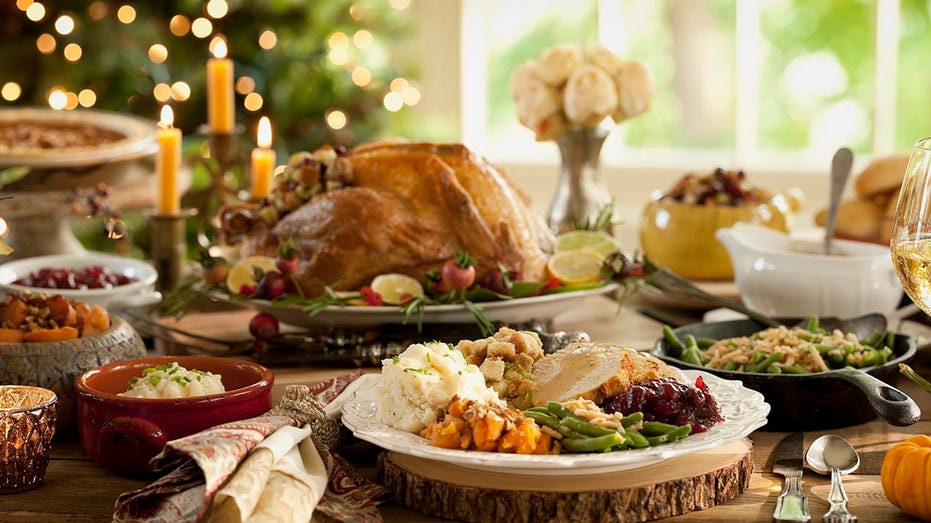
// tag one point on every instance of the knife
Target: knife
(792, 504)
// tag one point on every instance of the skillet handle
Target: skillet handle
(890, 403)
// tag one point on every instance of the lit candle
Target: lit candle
(221, 118)
(263, 161)
(168, 164)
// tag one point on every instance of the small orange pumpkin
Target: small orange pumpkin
(906, 476)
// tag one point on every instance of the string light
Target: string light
(35, 11)
(201, 27)
(336, 119)
(217, 8)
(361, 76)
(126, 14)
(253, 102)
(64, 25)
(179, 25)
(57, 99)
(97, 10)
(87, 98)
(46, 43)
(393, 101)
(362, 39)
(11, 91)
(245, 85)
(162, 92)
(180, 91)
(158, 53)
(268, 39)
(73, 52)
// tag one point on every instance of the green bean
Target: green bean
(542, 410)
(655, 428)
(631, 419)
(813, 324)
(674, 342)
(690, 341)
(758, 357)
(558, 409)
(731, 365)
(794, 369)
(584, 427)
(773, 358)
(636, 439)
(543, 419)
(890, 339)
(592, 444)
(692, 356)
(669, 437)
(772, 369)
(870, 357)
(704, 343)
(873, 339)
(825, 349)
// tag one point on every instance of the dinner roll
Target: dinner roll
(857, 219)
(882, 175)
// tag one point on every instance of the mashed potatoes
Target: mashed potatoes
(418, 384)
(173, 381)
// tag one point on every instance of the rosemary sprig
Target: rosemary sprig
(602, 219)
(316, 305)
(909, 373)
(183, 298)
(415, 308)
(484, 325)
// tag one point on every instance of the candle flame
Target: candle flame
(264, 132)
(168, 117)
(219, 47)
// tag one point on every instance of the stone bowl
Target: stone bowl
(55, 365)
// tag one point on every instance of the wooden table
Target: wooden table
(76, 489)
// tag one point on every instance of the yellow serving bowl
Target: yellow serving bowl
(680, 237)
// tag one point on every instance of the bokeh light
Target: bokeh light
(46, 43)
(268, 39)
(245, 85)
(399, 84)
(158, 53)
(57, 99)
(362, 39)
(253, 102)
(217, 8)
(338, 39)
(22, 5)
(87, 98)
(73, 52)
(35, 12)
(411, 95)
(355, 12)
(400, 4)
(179, 25)
(162, 92)
(339, 55)
(98, 10)
(71, 101)
(393, 101)
(11, 91)
(64, 25)
(361, 76)
(126, 14)
(336, 119)
(180, 91)
(201, 27)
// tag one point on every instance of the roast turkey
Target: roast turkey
(387, 207)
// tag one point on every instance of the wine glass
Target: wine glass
(911, 229)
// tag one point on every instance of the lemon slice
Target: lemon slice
(393, 286)
(243, 271)
(575, 267)
(598, 241)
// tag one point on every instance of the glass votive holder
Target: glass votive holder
(27, 424)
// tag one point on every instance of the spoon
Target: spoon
(834, 455)
(840, 170)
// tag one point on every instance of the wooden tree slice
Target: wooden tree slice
(669, 488)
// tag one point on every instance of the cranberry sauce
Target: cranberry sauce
(95, 277)
(669, 401)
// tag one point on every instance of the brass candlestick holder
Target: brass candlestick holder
(169, 247)
(220, 156)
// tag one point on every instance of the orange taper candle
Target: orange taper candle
(221, 116)
(263, 161)
(168, 163)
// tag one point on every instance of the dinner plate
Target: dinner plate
(744, 411)
(544, 307)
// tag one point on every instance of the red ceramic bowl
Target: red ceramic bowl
(123, 433)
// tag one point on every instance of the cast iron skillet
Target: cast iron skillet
(818, 401)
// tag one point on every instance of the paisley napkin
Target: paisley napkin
(261, 468)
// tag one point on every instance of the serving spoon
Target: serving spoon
(834, 455)
(840, 171)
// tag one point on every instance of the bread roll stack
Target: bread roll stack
(868, 216)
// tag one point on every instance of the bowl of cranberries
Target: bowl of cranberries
(677, 228)
(114, 282)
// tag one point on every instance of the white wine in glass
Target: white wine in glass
(911, 229)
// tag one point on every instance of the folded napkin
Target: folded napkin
(277, 467)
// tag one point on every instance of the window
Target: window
(757, 84)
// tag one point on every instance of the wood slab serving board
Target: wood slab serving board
(669, 488)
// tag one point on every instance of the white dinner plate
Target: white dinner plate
(542, 308)
(744, 411)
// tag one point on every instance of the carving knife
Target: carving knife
(792, 504)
